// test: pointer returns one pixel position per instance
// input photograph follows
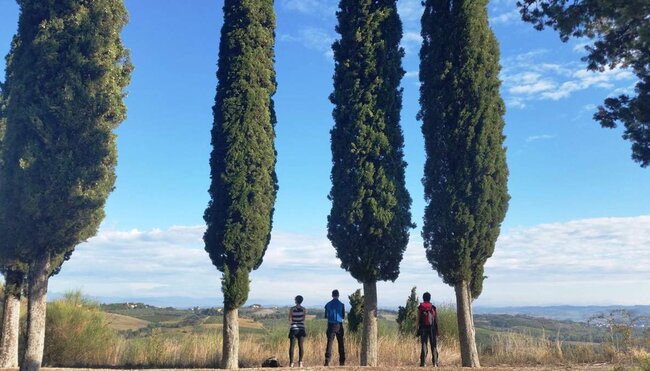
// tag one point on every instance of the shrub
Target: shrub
(78, 334)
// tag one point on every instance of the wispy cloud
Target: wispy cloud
(534, 138)
(312, 7)
(411, 42)
(410, 11)
(313, 38)
(506, 17)
(528, 77)
(412, 74)
(587, 261)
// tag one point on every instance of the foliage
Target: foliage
(172, 345)
(407, 315)
(620, 30)
(620, 324)
(76, 323)
(370, 219)
(465, 174)
(355, 317)
(244, 184)
(64, 89)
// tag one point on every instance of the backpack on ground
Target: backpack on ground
(427, 314)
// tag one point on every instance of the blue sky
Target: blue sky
(576, 231)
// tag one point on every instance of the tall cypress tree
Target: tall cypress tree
(244, 185)
(465, 175)
(64, 91)
(14, 275)
(407, 316)
(370, 219)
(355, 317)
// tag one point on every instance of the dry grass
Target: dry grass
(80, 335)
(522, 349)
(122, 323)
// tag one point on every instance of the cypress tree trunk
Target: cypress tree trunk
(466, 331)
(369, 341)
(230, 352)
(11, 320)
(37, 296)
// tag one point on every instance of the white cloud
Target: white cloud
(506, 17)
(527, 77)
(411, 42)
(587, 261)
(534, 138)
(412, 74)
(580, 47)
(314, 7)
(410, 11)
(312, 38)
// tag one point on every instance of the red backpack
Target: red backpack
(427, 314)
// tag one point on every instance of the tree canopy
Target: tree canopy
(64, 89)
(244, 184)
(620, 31)
(370, 218)
(465, 175)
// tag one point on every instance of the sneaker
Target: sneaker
(291, 364)
(301, 365)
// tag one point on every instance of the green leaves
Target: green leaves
(407, 315)
(465, 175)
(244, 185)
(66, 75)
(370, 219)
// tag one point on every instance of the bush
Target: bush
(447, 322)
(78, 334)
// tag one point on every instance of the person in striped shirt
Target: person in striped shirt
(297, 330)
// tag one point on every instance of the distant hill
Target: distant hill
(566, 312)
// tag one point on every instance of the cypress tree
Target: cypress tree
(370, 219)
(465, 174)
(407, 316)
(64, 90)
(244, 185)
(355, 317)
(14, 275)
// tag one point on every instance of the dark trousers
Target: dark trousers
(292, 345)
(428, 338)
(335, 330)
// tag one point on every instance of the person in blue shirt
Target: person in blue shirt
(335, 314)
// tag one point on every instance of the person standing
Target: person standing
(297, 330)
(335, 314)
(427, 323)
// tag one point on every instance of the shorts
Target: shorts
(297, 333)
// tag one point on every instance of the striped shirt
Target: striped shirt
(298, 317)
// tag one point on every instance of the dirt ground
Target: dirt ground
(594, 367)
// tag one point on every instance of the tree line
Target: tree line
(63, 96)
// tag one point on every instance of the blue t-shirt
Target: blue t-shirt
(335, 311)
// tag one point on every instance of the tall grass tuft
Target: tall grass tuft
(78, 334)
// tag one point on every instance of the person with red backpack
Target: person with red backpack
(428, 329)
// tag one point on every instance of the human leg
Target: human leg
(301, 349)
(424, 340)
(434, 350)
(341, 342)
(292, 344)
(330, 339)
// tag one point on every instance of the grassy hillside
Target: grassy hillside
(81, 333)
